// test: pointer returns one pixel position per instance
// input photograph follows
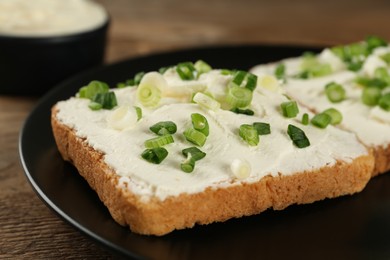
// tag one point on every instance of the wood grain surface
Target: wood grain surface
(28, 229)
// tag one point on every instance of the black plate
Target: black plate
(355, 227)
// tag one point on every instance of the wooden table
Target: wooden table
(28, 229)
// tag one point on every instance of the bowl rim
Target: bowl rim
(68, 37)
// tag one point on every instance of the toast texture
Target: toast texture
(159, 217)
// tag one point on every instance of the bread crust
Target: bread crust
(157, 217)
(382, 159)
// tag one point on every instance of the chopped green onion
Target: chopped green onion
(195, 137)
(138, 110)
(162, 70)
(227, 72)
(321, 120)
(202, 67)
(240, 168)
(163, 128)
(132, 82)
(262, 128)
(251, 81)
(159, 141)
(123, 117)
(206, 101)
(353, 54)
(138, 77)
(335, 115)
(298, 136)
(382, 74)
(107, 100)
(335, 92)
(280, 71)
(367, 82)
(188, 165)
(289, 109)
(155, 155)
(121, 85)
(371, 96)
(94, 87)
(239, 97)
(384, 102)
(244, 79)
(247, 112)
(305, 119)
(149, 94)
(195, 152)
(249, 134)
(374, 42)
(312, 68)
(355, 66)
(199, 122)
(186, 71)
(239, 77)
(386, 57)
(95, 106)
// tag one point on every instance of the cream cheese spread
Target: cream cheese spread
(49, 17)
(371, 124)
(274, 155)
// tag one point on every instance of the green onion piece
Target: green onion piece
(382, 74)
(107, 100)
(239, 97)
(155, 155)
(227, 72)
(194, 136)
(188, 165)
(247, 112)
(321, 120)
(199, 122)
(386, 57)
(206, 101)
(367, 82)
(335, 115)
(335, 92)
(195, 152)
(148, 95)
(244, 79)
(95, 106)
(239, 77)
(94, 87)
(355, 66)
(339, 51)
(159, 141)
(374, 42)
(132, 82)
(311, 67)
(164, 127)
(251, 81)
(138, 110)
(371, 95)
(249, 134)
(280, 71)
(162, 70)
(289, 109)
(186, 71)
(298, 136)
(262, 128)
(121, 85)
(305, 119)
(202, 67)
(138, 77)
(384, 102)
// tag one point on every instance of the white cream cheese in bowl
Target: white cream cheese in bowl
(40, 18)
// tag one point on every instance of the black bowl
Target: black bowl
(32, 65)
